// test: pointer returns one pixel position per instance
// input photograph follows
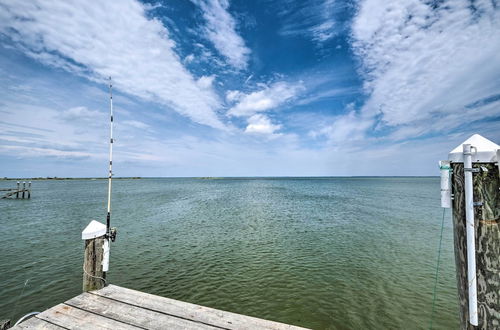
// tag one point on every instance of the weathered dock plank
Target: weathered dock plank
(73, 318)
(39, 324)
(131, 314)
(218, 318)
(114, 307)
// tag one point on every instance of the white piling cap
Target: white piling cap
(93, 230)
(486, 151)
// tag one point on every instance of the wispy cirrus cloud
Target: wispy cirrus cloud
(78, 132)
(220, 29)
(318, 19)
(94, 40)
(428, 67)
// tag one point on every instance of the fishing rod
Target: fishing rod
(110, 232)
(108, 216)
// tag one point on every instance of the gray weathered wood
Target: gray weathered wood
(185, 310)
(114, 307)
(93, 276)
(36, 323)
(73, 318)
(487, 216)
(4, 324)
(132, 314)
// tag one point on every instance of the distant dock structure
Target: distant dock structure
(23, 192)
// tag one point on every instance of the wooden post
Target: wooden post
(24, 188)
(29, 189)
(17, 192)
(486, 184)
(93, 276)
(4, 324)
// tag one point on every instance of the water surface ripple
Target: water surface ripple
(325, 253)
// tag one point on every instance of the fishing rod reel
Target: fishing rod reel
(112, 234)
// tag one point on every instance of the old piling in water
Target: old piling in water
(17, 193)
(24, 188)
(94, 277)
(485, 208)
(29, 189)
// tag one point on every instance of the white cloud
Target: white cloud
(78, 129)
(331, 93)
(110, 38)
(43, 152)
(318, 19)
(220, 29)
(427, 67)
(188, 59)
(84, 116)
(75, 132)
(136, 124)
(268, 98)
(261, 124)
(232, 95)
(345, 128)
(323, 31)
(205, 82)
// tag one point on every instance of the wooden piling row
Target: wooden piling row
(24, 191)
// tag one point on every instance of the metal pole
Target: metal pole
(471, 242)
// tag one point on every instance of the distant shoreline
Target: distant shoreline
(218, 178)
(56, 178)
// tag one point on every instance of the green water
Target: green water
(325, 253)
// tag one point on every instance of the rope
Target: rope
(26, 317)
(101, 278)
(437, 271)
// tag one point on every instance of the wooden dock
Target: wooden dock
(18, 192)
(114, 307)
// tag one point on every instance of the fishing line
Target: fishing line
(17, 300)
(437, 271)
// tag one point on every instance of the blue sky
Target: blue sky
(245, 88)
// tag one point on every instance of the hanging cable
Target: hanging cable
(437, 271)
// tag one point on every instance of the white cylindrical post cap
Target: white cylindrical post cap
(485, 151)
(93, 230)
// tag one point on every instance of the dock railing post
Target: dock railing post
(476, 217)
(93, 276)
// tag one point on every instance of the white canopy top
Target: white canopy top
(485, 152)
